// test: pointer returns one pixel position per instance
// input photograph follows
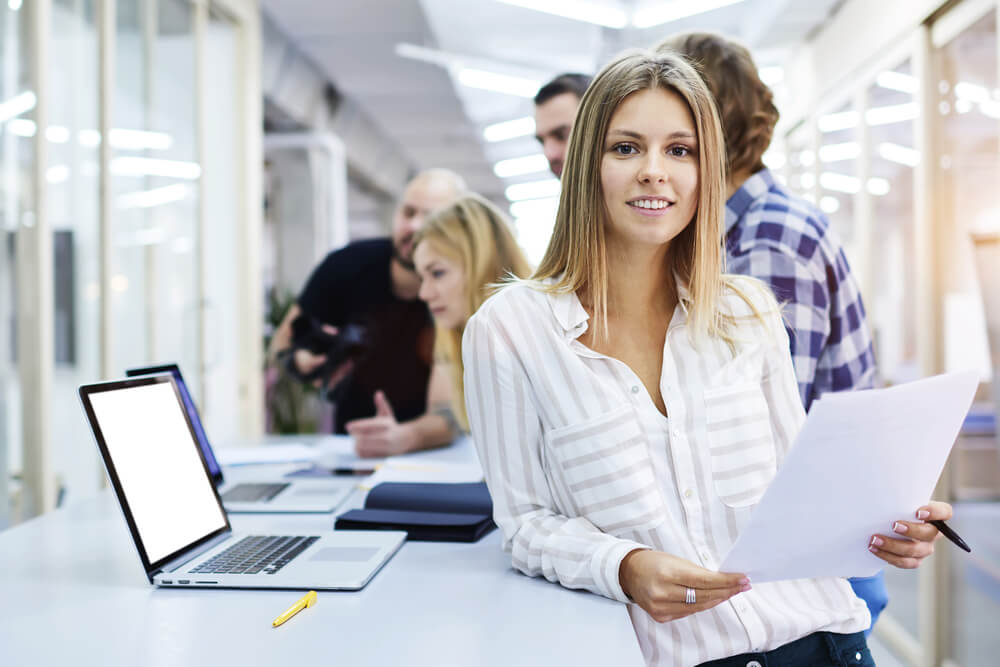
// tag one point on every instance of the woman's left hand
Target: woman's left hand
(913, 541)
(380, 435)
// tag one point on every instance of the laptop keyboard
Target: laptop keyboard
(252, 493)
(256, 554)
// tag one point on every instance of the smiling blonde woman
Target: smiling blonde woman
(631, 403)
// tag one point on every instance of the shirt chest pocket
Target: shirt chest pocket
(741, 444)
(605, 467)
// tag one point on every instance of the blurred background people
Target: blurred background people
(380, 395)
(555, 108)
(461, 254)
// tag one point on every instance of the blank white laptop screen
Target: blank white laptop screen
(161, 473)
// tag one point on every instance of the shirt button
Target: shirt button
(704, 555)
(857, 656)
(753, 663)
(635, 389)
(688, 493)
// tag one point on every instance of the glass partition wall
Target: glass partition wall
(904, 159)
(123, 95)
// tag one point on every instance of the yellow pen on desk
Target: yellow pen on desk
(308, 600)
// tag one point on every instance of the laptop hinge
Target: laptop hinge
(189, 556)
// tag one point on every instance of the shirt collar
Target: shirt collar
(752, 189)
(573, 318)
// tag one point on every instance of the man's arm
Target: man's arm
(282, 338)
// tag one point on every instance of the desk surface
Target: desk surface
(73, 592)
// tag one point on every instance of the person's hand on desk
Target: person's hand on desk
(659, 582)
(914, 540)
(381, 435)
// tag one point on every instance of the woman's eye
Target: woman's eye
(680, 151)
(624, 149)
(437, 274)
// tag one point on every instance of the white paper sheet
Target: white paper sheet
(337, 451)
(862, 460)
(238, 456)
(406, 471)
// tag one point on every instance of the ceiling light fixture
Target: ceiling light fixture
(848, 150)
(17, 105)
(144, 166)
(658, 13)
(899, 154)
(154, 197)
(510, 129)
(904, 83)
(498, 83)
(598, 13)
(533, 190)
(519, 166)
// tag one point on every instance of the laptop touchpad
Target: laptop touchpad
(346, 554)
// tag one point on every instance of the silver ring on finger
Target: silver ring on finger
(690, 596)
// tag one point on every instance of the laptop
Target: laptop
(265, 494)
(176, 517)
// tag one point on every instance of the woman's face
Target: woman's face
(442, 286)
(649, 168)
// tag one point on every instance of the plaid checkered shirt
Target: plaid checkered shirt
(785, 241)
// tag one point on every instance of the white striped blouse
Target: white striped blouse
(583, 468)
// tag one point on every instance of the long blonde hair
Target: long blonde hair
(474, 233)
(576, 257)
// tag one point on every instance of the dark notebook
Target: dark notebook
(428, 512)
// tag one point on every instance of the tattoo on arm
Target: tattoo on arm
(444, 411)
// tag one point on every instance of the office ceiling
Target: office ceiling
(438, 122)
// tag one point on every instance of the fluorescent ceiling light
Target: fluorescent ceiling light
(991, 108)
(834, 122)
(807, 180)
(519, 166)
(154, 197)
(57, 174)
(878, 186)
(829, 204)
(14, 5)
(895, 113)
(17, 105)
(544, 208)
(144, 166)
(845, 120)
(971, 92)
(599, 13)
(829, 180)
(533, 190)
(56, 134)
(658, 13)
(899, 154)
(499, 83)
(140, 139)
(22, 127)
(848, 150)
(904, 83)
(510, 129)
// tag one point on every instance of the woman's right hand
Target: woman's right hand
(658, 583)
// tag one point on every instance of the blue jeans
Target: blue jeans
(873, 591)
(820, 649)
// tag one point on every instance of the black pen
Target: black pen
(356, 472)
(950, 534)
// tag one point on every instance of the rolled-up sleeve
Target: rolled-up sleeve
(507, 431)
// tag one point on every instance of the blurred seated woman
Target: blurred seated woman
(460, 254)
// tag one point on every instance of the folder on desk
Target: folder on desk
(427, 511)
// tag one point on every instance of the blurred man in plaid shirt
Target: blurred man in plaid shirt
(785, 241)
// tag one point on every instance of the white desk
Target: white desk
(72, 592)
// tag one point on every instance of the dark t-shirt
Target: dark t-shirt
(353, 286)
